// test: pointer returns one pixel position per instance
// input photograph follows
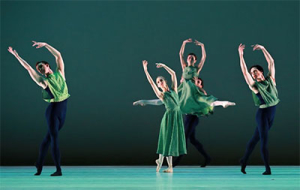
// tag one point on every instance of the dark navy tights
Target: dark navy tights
(264, 119)
(190, 123)
(55, 116)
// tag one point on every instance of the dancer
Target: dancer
(55, 92)
(171, 140)
(190, 123)
(265, 96)
(193, 101)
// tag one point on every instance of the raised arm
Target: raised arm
(156, 102)
(171, 72)
(181, 52)
(158, 93)
(244, 69)
(58, 58)
(33, 74)
(270, 60)
(201, 63)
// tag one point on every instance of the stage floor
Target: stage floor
(145, 177)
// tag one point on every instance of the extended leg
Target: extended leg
(159, 162)
(199, 147)
(263, 133)
(225, 104)
(249, 149)
(42, 154)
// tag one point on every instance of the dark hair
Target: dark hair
(258, 68)
(193, 55)
(44, 62)
(202, 83)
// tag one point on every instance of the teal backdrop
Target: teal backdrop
(103, 44)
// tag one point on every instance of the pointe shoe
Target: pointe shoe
(157, 165)
(228, 104)
(169, 170)
(57, 173)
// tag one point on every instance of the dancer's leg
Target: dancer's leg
(159, 162)
(249, 149)
(225, 104)
(45, 143)
(55, 122)
(265, 118)
(199, 146)
(42, 154)
(170, 168)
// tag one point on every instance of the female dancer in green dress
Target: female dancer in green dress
(192, 99)
(171, 141)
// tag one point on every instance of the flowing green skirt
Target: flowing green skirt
(194, 101)
(171, 141)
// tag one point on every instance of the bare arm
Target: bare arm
(181, 52)
(58, 58)
(202, 61)
(201, 89)
(244, 69)
(156, 102)
(171, 72)
(158, 93)
(33, 74)
(270, 60)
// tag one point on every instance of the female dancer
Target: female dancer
(171, 140)
(193, 101)
(190, 123)
(265, 96)
(55, 91)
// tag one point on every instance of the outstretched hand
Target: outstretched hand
(14, 52)
(139, 102)
(257, 47)
(241, 49)
(160, 65)
(188, 40)
(38, 44)
(145, 64)
(198, 43)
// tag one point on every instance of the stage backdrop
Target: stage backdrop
(103, 45)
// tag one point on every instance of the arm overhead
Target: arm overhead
(244, 69)
(181, 52)
(202, 61)
(269, 58)
(58, 58)
(33, 74)
(158, 93)
(171, 72)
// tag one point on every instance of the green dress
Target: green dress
(192, 99)
(268, 92)
(171, 141)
